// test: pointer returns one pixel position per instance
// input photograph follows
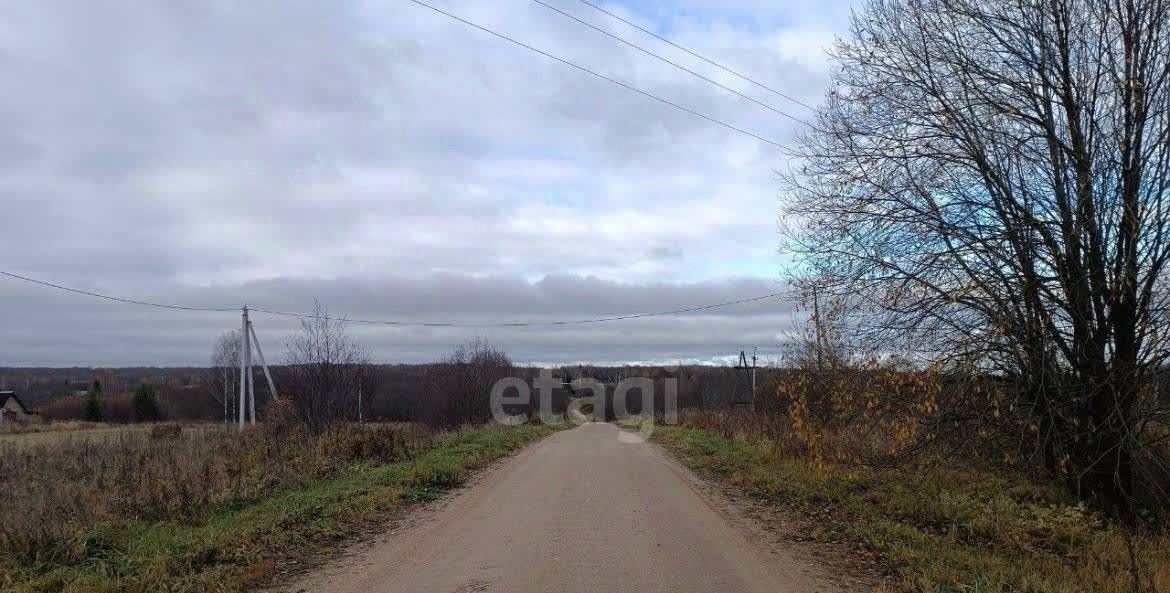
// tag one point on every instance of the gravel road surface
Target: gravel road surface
(592, 509)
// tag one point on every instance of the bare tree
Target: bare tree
(223, 376)
(991, 177)
(459, 388)
(326, 370)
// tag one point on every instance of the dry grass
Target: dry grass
(939, 525)
(52, 433)
(68, 481)
(216, 511)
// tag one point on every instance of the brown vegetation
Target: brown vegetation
(326, 371)
(928, 469)
(117, 407)
(457, 390)
(61, 489)
(932, 525)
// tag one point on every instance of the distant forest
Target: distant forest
(392, 392)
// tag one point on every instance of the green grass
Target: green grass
(939, 528)
(237, 548)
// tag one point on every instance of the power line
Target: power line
(392, 322)
(528, 323)
(673, 63)
(697, 55)
(118, 299)
(599, 75)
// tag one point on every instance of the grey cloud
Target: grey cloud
(54, 326)
(381, 157)
(17, 152)
(666, 253)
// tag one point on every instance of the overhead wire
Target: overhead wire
(672, 63)
(530, 323)
(594, 73)
(395, 323)
(570, 64)
(116, 299)
(696, 54)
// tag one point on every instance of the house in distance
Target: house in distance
(12, 409)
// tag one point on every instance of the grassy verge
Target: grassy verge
(947, 529)
(235, 548)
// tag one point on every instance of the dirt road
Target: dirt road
(582, 511)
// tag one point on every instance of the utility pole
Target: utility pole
(755, 350)
(817, 328)
(743, 365)
(247, 382)
(245, 347)
(251, 378)
(227, 394)
(360, 403)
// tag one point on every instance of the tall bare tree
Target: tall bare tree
(223, 376)
(991, 177)
(326, 370)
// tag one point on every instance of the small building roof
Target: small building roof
(4, 397)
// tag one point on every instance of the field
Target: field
(58, 433)
(139, 508)
(937, 527)
(212, 510)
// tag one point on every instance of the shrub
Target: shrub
(383, 443)
(459, 389)
(170, 430)
(145, 404)
(64, 408)
(93, 408)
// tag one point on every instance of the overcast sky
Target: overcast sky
(394, 164)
